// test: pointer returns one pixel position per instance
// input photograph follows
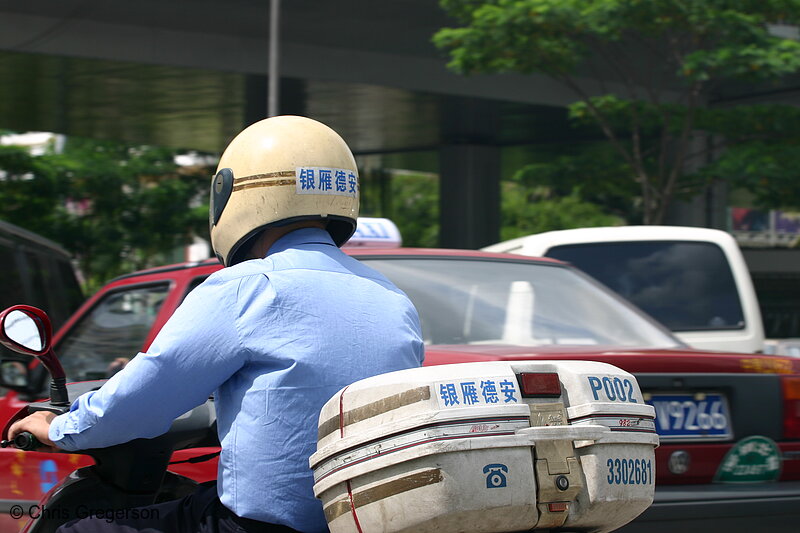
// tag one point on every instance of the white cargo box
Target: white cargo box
(461, 448)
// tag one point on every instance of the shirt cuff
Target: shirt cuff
(59, 433)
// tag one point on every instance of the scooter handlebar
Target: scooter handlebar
(23, 441)
(26, 441)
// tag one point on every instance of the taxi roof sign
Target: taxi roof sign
(375, 233)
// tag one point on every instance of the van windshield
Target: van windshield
(687, 286)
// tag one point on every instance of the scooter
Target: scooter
(124, 476)
(415, 463)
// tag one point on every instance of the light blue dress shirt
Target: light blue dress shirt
(273, 339)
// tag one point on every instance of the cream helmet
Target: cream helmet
(278, 171)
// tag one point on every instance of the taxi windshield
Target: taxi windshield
(481, 301)
(112, 332)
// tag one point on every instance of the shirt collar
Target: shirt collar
(299, 237)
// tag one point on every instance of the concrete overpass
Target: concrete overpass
(192, 73)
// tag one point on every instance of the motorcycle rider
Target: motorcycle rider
(290, 321)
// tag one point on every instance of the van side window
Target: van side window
(52, 285)
(11, 292)
(38, 272)
(37, 280)
(68, 286)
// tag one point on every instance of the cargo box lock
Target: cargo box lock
(559, 478)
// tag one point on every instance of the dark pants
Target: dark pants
(200, 512)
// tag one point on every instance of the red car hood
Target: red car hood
(634, 360)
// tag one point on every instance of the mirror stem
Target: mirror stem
(58, 391)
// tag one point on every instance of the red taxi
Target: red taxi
(729, 424)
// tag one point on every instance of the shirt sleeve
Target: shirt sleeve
(194, 353)
(419, 344)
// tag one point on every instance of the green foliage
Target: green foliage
(760, 152)
(773, 122)
(115, 207)
(526, 211)
(651, 119)
(28, 193)
(591, 172)
(415, 208)
(767, 170)
(572, 187)
(658, 63)
(702, 39)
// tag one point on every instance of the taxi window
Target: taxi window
(465, 301)
(114, 328)
(685, 285)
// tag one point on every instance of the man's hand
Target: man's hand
(39, 425)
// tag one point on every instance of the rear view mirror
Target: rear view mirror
(23, 330)
(26, 329)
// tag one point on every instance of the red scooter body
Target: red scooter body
(128, 475)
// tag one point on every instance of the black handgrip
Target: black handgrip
(26, 441)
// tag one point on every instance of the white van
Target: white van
(692, 280)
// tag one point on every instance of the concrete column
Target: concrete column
(709, 208)
(292, 102)
(469, 195)
(469, 173)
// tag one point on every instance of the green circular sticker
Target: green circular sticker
(752, 460)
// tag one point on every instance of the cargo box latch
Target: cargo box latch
(558, 472)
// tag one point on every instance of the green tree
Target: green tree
(590, 172)
(116, 207)
(644, 73)
(528, 210)
(415, 208)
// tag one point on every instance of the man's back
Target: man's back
(273, 339)
(311, 320)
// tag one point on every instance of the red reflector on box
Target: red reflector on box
(540, 384)
(557, 507)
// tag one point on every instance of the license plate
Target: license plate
(692, 416)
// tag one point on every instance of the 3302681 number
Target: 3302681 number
(629, 471)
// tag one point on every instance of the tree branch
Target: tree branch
(603, 122)
(683, 142)
(636, 140)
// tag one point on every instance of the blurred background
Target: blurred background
(472, 122)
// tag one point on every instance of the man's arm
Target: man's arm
(195, 352)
